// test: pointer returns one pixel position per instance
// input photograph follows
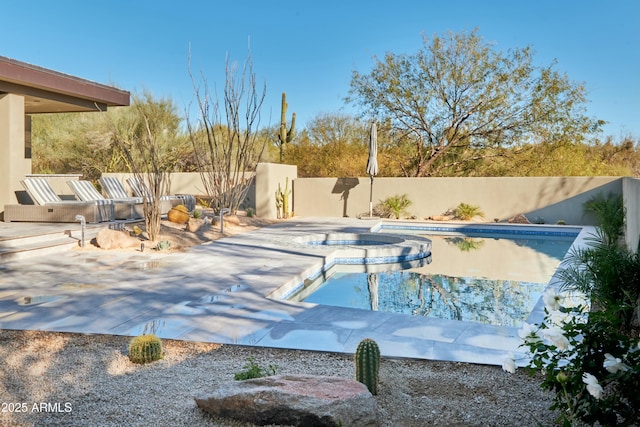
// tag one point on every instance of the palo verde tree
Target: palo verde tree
(225, 140)
(457, 98)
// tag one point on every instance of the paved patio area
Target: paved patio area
(216, 293)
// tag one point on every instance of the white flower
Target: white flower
(552, 299)
(557, 338)
(529, 333)
(613, 364)
(593, 387)
(509, 364)
(559, 318)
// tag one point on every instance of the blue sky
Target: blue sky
(310, 49)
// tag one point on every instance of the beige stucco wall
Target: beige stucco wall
(268, 177)
(631, 195)
(261, 194)
(13, 165)
(550, 198)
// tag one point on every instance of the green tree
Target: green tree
(84, 142)
(457, 97)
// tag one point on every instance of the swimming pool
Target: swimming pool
(475, 275)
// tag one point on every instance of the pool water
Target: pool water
(470, 278)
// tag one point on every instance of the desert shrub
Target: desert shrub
(393, 207)
(253, 370)
(465, 211)
(609, 212)
(163, 245)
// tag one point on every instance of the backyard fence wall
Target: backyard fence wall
(261, 194)
(545, 199)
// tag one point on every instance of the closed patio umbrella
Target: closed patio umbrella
(372, 162)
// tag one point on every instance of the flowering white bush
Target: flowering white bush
(591, 366)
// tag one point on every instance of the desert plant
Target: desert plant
(251, 212)
(282, 200)
(253, 370)
(285, 136)
(393, 206)
(197, 214)
(609, 212)
(367, 360)
(145, 349)
(163, 245)
(465, 211)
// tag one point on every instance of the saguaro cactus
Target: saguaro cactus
(367, 361)
(285, 136)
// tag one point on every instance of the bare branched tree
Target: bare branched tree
(225, 138)
(146, 140)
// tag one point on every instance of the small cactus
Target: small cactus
(145, 349)
(367, 359)
(163, 245)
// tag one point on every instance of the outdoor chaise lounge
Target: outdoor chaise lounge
(140, 189)
(125, 208)
(114, 190)
(49, 207)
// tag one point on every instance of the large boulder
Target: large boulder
(114, 239)
(293, 400)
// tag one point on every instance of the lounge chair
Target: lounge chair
(125, 208)
(49, 207)
(114, 189)
(140, 189)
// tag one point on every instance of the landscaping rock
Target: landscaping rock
(519, 219)
(231, 219)
(294, 400)
(115, 239)
(195, 225)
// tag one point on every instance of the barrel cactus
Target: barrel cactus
(145, 349)
(367, 361)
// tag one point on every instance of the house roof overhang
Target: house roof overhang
(48, 91)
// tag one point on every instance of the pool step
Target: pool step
(42, 244)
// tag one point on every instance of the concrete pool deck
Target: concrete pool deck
(216, 293)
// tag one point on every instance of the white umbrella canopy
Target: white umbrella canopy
(372, 162)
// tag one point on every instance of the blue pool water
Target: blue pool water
(471, 277)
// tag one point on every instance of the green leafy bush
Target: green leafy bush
(465, 211)
(590, 357)
(592, 367)
(609, 212)
(393, 206)
(253, 370)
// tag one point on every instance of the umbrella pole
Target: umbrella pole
(371, 198)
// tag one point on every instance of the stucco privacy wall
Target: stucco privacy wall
(268, 177)
(261, 194)
(631, 195)
(550, 198)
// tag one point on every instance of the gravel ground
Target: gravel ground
(58, 379)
